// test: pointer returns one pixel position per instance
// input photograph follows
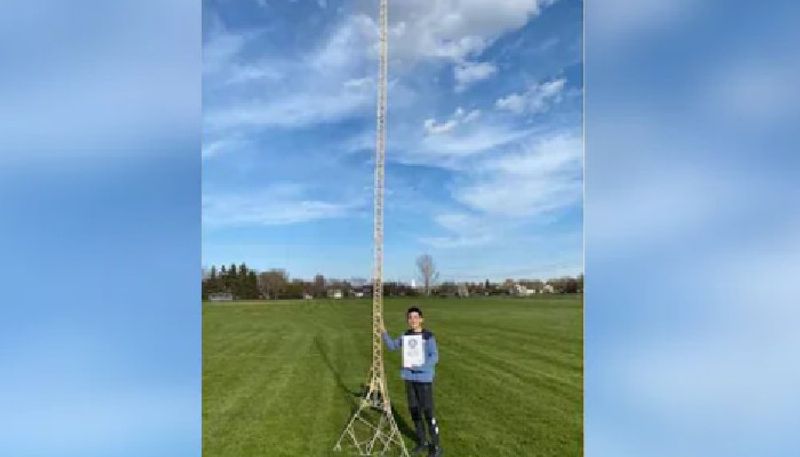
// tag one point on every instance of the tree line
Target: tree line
(241, 281)
(244, 283)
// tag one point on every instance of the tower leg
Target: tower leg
(372, 431)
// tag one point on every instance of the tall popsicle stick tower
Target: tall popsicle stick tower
(372, 429)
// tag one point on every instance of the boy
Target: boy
(419, 382)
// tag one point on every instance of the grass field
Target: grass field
(280, 378)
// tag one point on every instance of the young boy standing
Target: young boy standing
(419, 380)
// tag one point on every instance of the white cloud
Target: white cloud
(455, 142)
(347, 48)
(463, 230)
(473, 115)
(278, 205)
(220, 49)
(296, 110)
(359, 83)
(543, 178)
(468, 73)
(550, 155)
(328, 84)
(221, 146)
(514, 103)
(432, 128)
(537, 99)
(239, 74)
(454, 29)
(459, 144)
(459, 117)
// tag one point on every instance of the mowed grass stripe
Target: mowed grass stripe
(516, 348)
(251, 399)
(251, 384)
(530, 379)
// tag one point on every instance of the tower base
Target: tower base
(372, 430)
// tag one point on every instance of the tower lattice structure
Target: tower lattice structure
(372, 429)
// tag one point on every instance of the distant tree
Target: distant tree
(250, 286)
(272, 283)
(566, 285)
(447, 289)
(570, 285)
(212, 283)
(427, 271)
(295, 289)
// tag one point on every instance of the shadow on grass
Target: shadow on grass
(353, 397)
(403, 425)
(349, 395)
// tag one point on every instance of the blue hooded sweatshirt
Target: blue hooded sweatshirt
(422, 373)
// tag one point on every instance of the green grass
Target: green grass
(280, 378)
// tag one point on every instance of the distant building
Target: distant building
(335, 293)
(548, 289)
(522, 291)
(358, 294)
(307, 296)
(220, 296)
(462, 292)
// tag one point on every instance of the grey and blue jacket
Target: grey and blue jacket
(422, 373)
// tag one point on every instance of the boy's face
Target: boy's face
(414, 320)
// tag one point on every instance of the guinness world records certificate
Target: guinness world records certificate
(413, 350)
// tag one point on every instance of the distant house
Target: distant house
(335, 293)
(307, 296)
(522, 291)
(462, 291)
(358, 294)
(548, 289)
(220, 296)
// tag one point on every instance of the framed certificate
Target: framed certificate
(413, 350)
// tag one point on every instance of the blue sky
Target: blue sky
(484, 156)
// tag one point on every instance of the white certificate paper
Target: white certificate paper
(413, 350)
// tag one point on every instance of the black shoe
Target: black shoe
(420, 447)
(436, 451)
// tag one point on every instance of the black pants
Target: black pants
(420, 403)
